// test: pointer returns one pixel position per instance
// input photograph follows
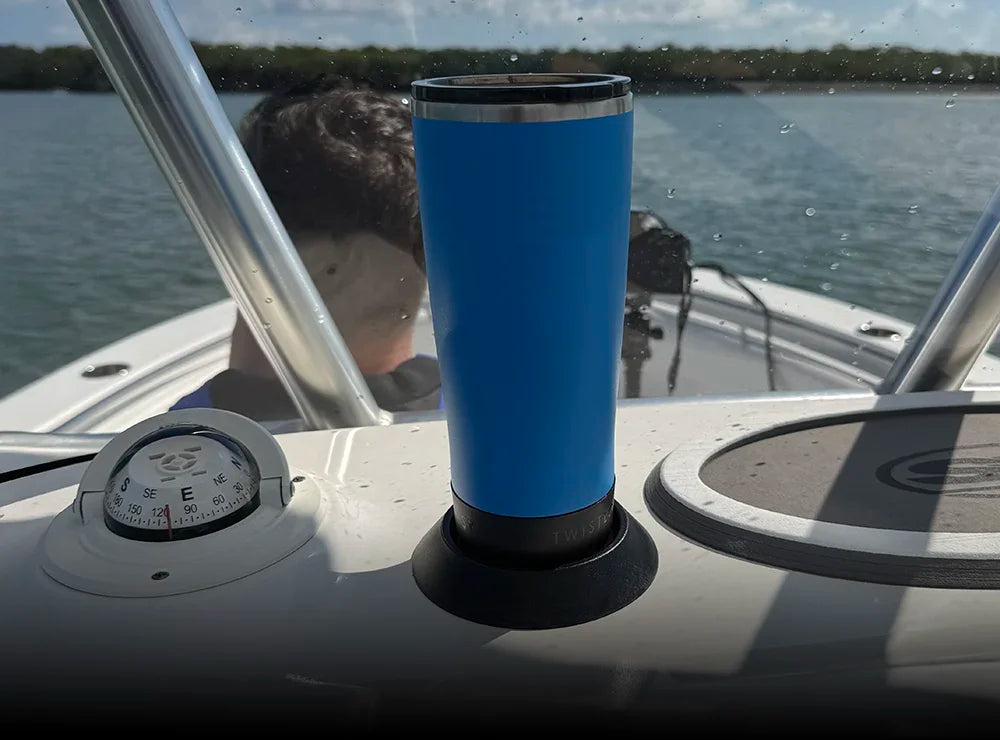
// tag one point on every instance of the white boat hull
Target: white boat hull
(817, 345)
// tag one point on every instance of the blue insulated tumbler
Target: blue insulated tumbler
(524, 184)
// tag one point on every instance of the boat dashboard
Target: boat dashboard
(778, 585)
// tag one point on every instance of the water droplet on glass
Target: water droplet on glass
(404, 101)
(414, 430)
(950, 103)
(267, 324)
(670, 192)
(835, 266)
(913, 209)
(268, 300)
(785, 128)
(843, 237)
(894, 337)
(239, 9)
(936, 71)
(580, 19)
(826, 287)
(717, 237)
(513, 57)
(664, 48)
(810, 211)
(852, 307)
(831, 91)
(971, 77)
(403, 315)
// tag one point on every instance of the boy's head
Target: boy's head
(337, 163)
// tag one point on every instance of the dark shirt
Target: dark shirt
(415, 385)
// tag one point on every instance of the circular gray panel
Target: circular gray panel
(927, 472)
(896, 497)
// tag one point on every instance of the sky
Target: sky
(952, 25)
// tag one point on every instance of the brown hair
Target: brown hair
(337, 159)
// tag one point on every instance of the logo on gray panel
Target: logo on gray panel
(973, 470)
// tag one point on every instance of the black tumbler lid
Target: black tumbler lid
(547, 87)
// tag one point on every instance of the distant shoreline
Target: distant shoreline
(683, 88)
(666, 69)
(782, 87)
(762, 88)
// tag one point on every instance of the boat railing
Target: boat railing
(44, 442)
(962, 319)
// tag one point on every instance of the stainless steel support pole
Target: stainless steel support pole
(158, 76)
(962, 319)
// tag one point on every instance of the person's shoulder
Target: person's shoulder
(415, 385)
(422, 364)
(200, 398)
(233, 390)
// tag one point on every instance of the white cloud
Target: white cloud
(936, 23)
(388, 10)
(66, 33)
(776, 15)
(824, 28)
(647, 12)
(218, 23)
(782, 9)
(941, 8)
(785, 16)
(945, 24)
(919, 13)
(741, 13)
(600, 21)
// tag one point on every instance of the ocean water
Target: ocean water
(865, 197)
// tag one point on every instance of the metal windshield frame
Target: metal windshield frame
(155, 71)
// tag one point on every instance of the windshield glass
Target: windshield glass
(804, 174)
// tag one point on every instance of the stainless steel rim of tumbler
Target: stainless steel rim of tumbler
(521, 112)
